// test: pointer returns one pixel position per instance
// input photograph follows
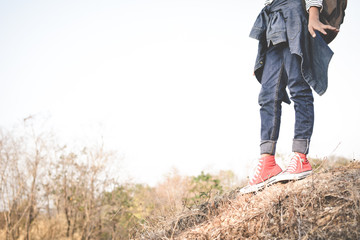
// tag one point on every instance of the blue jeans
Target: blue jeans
(284, 69)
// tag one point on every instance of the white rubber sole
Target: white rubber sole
(252, 188)
(282, 177)
(291, 176)
(257, 187)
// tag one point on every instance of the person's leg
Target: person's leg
(301, 95)
(272, 93)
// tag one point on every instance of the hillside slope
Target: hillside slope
(325, 205)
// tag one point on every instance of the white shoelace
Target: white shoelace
(295, 158)
(257, 170)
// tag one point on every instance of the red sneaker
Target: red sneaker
(264, 174)
(298, 168)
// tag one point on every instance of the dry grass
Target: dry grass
(325, 205)
(45, 228)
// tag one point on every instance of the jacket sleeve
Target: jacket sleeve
(313, 3)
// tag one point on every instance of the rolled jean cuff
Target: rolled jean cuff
(301, 145)
(268, 147)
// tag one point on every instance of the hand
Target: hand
(316, 25)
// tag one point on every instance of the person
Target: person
(291, 54)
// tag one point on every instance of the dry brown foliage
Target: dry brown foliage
(325, 205)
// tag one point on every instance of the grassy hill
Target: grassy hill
(325, 205)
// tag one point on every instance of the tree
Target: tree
(202, 189)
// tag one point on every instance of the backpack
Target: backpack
(333, 14)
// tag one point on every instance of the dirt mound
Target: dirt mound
(325, 205)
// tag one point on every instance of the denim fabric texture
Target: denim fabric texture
(283, 69)
(288, 57)
(287, 21)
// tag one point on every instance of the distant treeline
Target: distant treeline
(54, 191)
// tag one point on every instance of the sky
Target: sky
(166, 83)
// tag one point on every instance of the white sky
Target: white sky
(167, 83)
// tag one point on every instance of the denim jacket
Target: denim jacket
(286, 21)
